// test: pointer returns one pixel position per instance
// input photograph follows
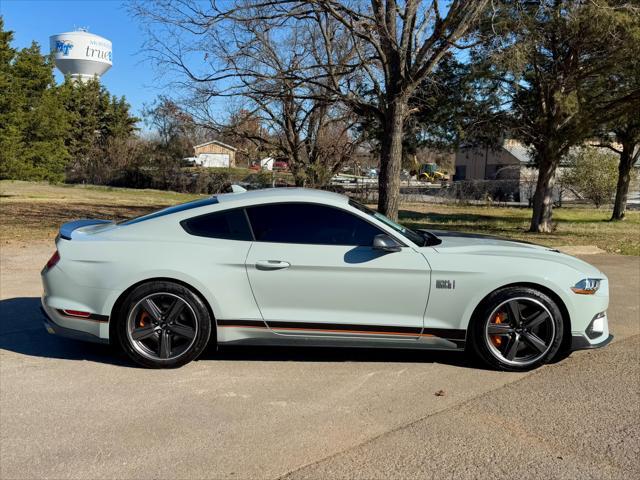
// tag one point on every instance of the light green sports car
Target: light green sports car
(306, 267)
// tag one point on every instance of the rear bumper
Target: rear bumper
(55, 329)
(580, 342)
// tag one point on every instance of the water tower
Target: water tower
(81, 54)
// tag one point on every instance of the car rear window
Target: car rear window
(229, 225)
(175, 209)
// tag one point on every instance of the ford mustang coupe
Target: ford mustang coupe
(306, 267)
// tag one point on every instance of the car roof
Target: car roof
(283, 194)
(242, 199)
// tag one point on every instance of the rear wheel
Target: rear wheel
(517, 329)
(163, 325)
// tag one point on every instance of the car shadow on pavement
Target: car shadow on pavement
(22, 331)
(338, 354)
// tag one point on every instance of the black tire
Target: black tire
(531, 306)
(150, 350)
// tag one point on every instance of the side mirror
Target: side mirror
(386, 243)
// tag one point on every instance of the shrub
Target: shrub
(592, 174)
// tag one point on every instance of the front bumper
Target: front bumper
(580, 342)
(595, 335)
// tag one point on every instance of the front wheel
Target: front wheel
(163, 325)
(517, 329)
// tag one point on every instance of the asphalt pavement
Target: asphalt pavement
(76, 410)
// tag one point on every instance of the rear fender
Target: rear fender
(162, 275)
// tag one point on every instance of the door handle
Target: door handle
(271, 265)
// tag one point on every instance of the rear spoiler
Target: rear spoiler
(68, 228)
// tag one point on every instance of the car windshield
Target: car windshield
(419, 238)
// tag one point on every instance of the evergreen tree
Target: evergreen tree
(550, 57)
(10, 138)
(119, 121)
(95, 118)
(36, 121)
(46, 129)
(82, 103)
(622, 134)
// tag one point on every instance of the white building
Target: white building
(215, 154)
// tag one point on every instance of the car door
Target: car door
(313, 271)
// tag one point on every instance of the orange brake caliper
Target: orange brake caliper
(143, 319)
(497, 339)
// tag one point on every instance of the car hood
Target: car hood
(475, 244)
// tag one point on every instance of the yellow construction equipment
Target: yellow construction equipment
(428, 172)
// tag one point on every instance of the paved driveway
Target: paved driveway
(74, 410)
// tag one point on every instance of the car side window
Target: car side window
(308, 223)
(229, 225)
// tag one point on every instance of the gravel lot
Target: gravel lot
(74, 410)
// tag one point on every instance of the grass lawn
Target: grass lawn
(574, 225)
(31, 211)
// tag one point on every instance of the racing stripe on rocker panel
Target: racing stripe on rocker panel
(447, 333)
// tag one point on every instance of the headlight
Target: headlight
(587, 286)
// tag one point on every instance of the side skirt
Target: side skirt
(256, 332)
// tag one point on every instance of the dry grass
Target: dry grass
(574, 225)
(30, 211)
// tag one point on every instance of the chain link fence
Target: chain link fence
(466, 191)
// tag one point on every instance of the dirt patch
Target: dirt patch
(20, 265)
(580, 249)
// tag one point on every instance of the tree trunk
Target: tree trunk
(543, 198)
(624, 178)
(297, 169)
(391, 160)
(298, 179)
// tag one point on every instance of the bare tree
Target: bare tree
(369, 55)
(396, 46)
(174, 127)
(255, 57)
(244, 130)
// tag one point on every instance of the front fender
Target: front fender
(529, 280)
(474, 277)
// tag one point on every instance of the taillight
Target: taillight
(76, 313)
(55, 258)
